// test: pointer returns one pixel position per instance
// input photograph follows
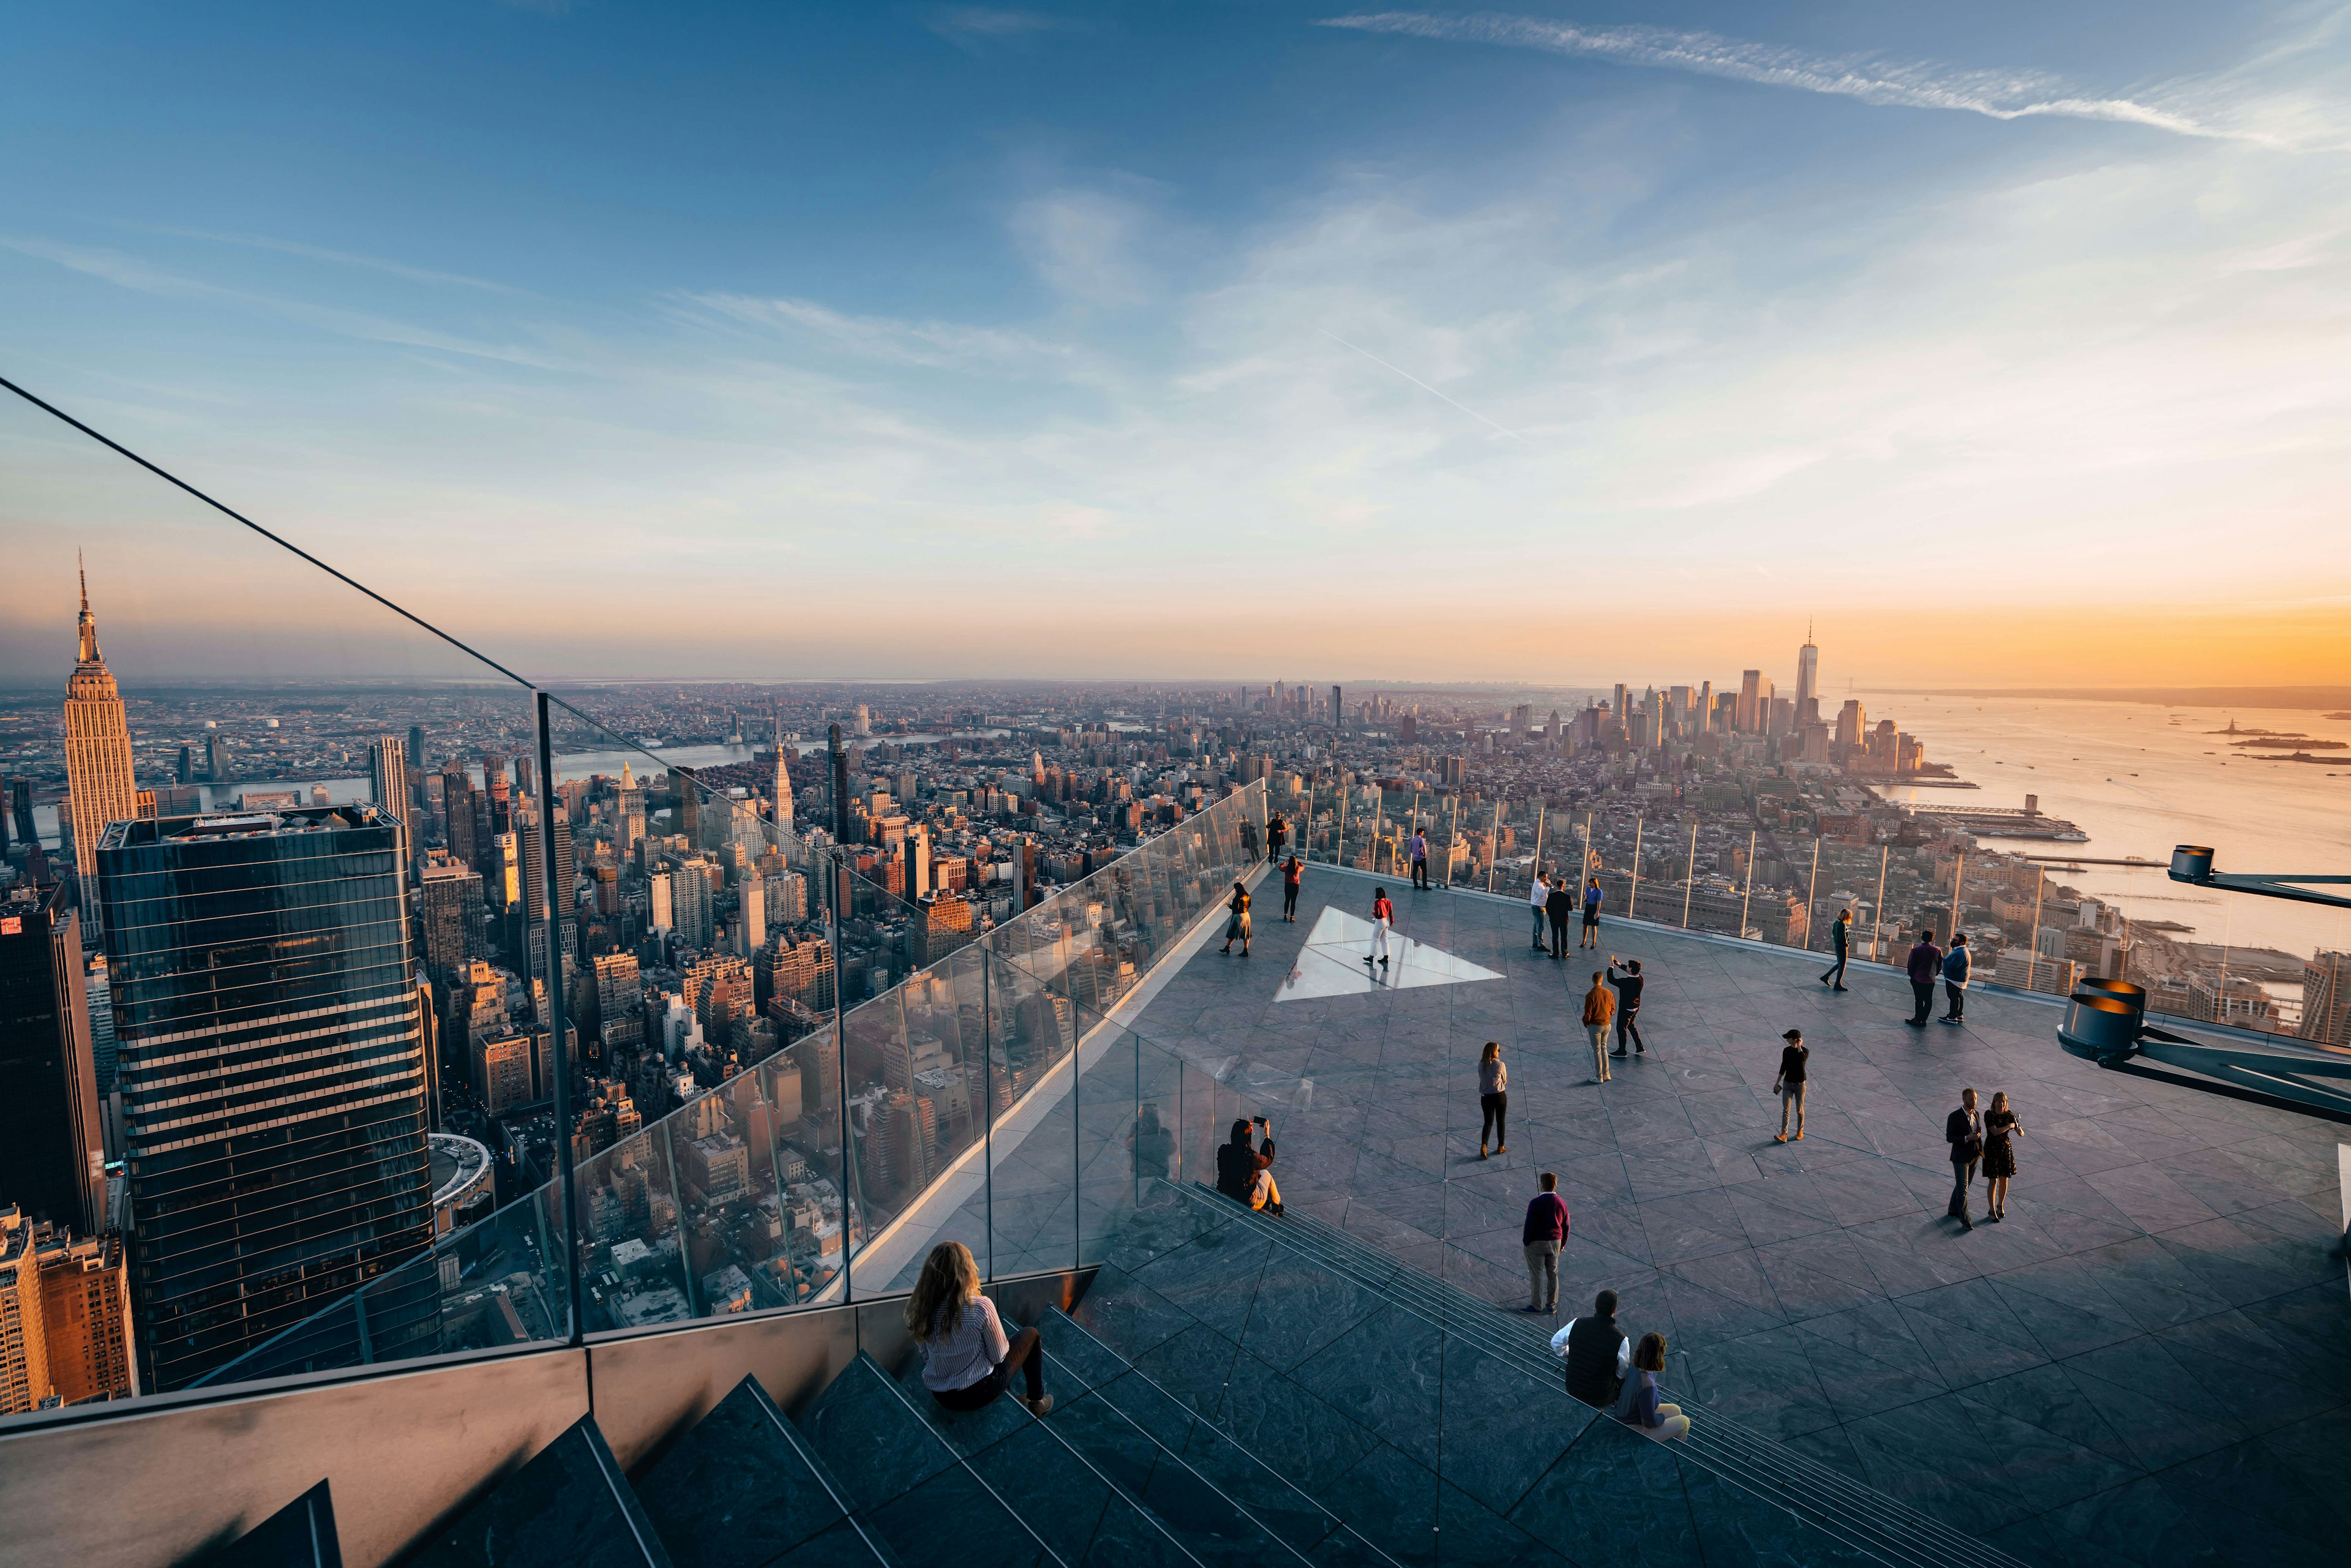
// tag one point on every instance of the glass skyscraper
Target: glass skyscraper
(51, 1162)
(271, 1064)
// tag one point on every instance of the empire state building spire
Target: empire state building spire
(783, 777)
(99, 779)
(88, 626)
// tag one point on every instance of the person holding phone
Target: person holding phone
(1245, 1174)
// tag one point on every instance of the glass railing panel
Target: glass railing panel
(635, 1263)
(1108, 1133)
(1033, 1202)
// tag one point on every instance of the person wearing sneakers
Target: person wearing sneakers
(967, 1362)
(1789, 1085)
(1599, 1006)
(1244, 1173)
(1494, 1098)
(1545, 1233)
(1537, 897)
(1382, 920)
(1625, 976)
(1842, 934)
(1956, 968)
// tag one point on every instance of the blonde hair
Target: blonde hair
(1493, 1051)
(2000, 1100)
(950, 1278)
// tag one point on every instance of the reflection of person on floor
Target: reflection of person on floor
(1598, 1353)
(1637, 1404)
(1245, 1174)
(966, 1360)
(1382, 917)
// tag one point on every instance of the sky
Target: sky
(2006, 344)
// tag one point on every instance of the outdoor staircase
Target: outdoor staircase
(1138, 1465)
(1860, 1517)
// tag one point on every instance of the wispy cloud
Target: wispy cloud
(341, 259)
(973, 27)
(142, 276)
(2001, 95)
(1422, 386)
(935, 345)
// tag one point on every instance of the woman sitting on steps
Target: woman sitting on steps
(966, 1360)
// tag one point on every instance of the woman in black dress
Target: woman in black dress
(1999, 1157)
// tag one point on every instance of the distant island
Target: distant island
(2281, 742)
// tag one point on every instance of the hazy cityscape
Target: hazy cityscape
(689, 948)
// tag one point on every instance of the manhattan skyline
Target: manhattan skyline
(1409, 345)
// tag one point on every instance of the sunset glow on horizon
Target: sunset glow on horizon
(2009, 349)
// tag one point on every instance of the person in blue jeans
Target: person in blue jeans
(1956, 968)
(1842, 934)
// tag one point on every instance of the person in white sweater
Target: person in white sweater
(967, 1361)
(1494, 1098)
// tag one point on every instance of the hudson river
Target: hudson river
(2139, 778)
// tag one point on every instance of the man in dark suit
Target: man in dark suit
(1963, 1130)
(1560, 907)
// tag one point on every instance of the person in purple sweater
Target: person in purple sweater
(1924, 967)
(1545, 1233)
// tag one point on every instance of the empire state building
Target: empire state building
(99, 779)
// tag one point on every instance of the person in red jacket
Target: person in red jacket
(1545, 1233)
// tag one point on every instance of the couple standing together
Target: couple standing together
(1555, 902)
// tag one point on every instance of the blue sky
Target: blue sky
(1566, 343)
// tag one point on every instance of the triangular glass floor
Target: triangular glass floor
(1331, 962)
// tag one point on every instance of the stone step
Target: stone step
(744, 1490)
(1289, 1514)
(570, 1507)
(1102, 1446)
(1856, 1515)
(912, 1492)
(299, 1535)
